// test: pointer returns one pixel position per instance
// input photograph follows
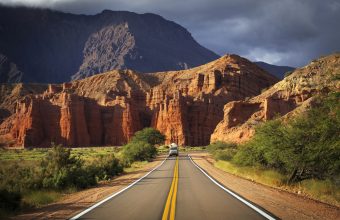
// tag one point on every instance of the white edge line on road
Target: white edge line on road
(266, 215)
(115, 194)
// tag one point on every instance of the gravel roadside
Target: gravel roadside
(284, 205)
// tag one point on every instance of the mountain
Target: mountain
(108, 108)
(46, 46)
(294, 94)
(9, 71)
(278, 71)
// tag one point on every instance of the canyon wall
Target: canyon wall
(291, 96)
(70, 120)
(218, 101)
(107, 109)
(188, 105)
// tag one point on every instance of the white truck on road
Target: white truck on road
(173, 150)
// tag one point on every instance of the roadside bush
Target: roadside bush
(34, 183)
(138, 151)
(224, 154)
(142, 146)
(17, 177)
(259, 151)
(305, 147)
(222, 150)
(106, 167)
(58, 170)
(149, 135)
(61, 170)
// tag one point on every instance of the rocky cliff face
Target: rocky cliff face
(288, 97)
(189, 104)
(64, 117)
(53, 47)
(10, 94)
(107, 109)
(106, 50)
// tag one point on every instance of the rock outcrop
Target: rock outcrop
(187, 106)
(193, 100)
(71, 120)
(288, 97)
(10, 94)
(107, 109)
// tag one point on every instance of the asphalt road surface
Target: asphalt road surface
(175, 190)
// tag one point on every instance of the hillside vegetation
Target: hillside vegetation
(300, 153)
(38, 177)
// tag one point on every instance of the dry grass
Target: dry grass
(266, 177)
(35, 198)
(86, 153)
(323, 190)
(135, 166)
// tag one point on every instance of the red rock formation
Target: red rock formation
(70, 120)
(73, 127)
(286, 98)
(107, 109)
(170, 119)
(194, 99)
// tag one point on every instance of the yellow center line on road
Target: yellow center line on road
(170, 205)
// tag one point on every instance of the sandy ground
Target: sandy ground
(284, 205)
(74, 203)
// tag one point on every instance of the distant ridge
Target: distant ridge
(47, 46)
(278, 71)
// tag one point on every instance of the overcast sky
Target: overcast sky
(282, 32)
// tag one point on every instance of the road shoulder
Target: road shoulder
(74, 203)
(283, 204)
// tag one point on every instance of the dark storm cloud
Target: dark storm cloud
(286, 32)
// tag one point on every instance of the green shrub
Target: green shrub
(305, 147)
(106, 167)
(18, 177)
(142, 146)
(58, 170)
(149, 135)
(45, 182)
(61, 170)
(138, 151)
(259, 151)
(222, 150)
(227, 154)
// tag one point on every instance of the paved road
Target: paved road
(197, 197)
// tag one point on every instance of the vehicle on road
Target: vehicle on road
(173, 150)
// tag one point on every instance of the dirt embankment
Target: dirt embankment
(282, 204)
(74, 203)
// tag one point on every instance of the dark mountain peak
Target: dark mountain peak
(278, 71)
(52, 46)
(107, 12)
